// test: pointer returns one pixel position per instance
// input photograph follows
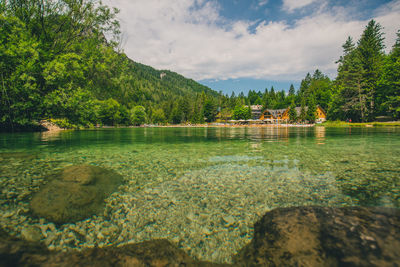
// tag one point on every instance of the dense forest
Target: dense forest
(367, 86)
(56, 63)
(61, 61)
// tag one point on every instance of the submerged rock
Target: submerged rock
(32, 234)
(17, 155)
(15, 252)
(75, 194)
(319, 236)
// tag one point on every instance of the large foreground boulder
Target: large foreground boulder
(76, 193)
(319, 236)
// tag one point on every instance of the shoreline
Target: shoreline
(50, 127)
(223, 125)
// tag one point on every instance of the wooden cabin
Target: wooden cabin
(321, 114)
(273, 115)
(282, 115)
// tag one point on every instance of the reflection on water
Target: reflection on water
(50, 136)
(202, 188)
(320, 135)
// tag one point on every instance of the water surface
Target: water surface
(202, 188)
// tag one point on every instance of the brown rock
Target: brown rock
(49, 126)
(31, 233)
(76, 193)
(158, 253)
(83, 174)
(318, 236)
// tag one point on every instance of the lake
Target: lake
(201, 188)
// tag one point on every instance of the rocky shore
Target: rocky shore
(49, 126)
(298, 236)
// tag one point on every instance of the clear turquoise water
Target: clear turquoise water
(202, 188)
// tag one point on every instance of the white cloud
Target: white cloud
(262, 3)
(191, 38)
(291, 5)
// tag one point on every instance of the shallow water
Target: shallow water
(201, 188)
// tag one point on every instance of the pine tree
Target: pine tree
(349, 101)
(304, 85)
(292, 112)
(389, 85)
(291, 90)
(248, 114)
(311, 115)
(303, 110)
(371, 55)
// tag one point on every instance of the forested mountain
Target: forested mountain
(55, 63)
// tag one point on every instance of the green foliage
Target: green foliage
(370, 53)
(292, 112)
(311, 114)
(389, 83)
(241, 113)
(19, 65)
(248, 116)
(368, 80)
(109, 112)
(210, 110)
(63, 123)
(138, 115)
(56, 62)
(76, 105)
(303, 110)
(360, 124)
(225, 114)
(176, 114)
(291, 90)
(158, 116)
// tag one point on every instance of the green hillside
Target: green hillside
(56, 64)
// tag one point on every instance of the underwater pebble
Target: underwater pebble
(32, 233)
(229, 220)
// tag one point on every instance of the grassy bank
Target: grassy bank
(359, 124)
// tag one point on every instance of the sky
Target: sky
(241, 45)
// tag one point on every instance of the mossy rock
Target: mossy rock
(324, 236)
(76, 193)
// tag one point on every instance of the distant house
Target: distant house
(321, 114)
(256, 111)
(272, 115)
(162, 75)
(282, 115)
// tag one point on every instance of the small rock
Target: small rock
(32, 234)
(8, 214)
(100, 236)
(51, 226)
(190, 216)
(229, 220)
(206, 231)
(110, 231)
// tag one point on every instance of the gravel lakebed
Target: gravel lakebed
(208, 211)
(202, 195)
